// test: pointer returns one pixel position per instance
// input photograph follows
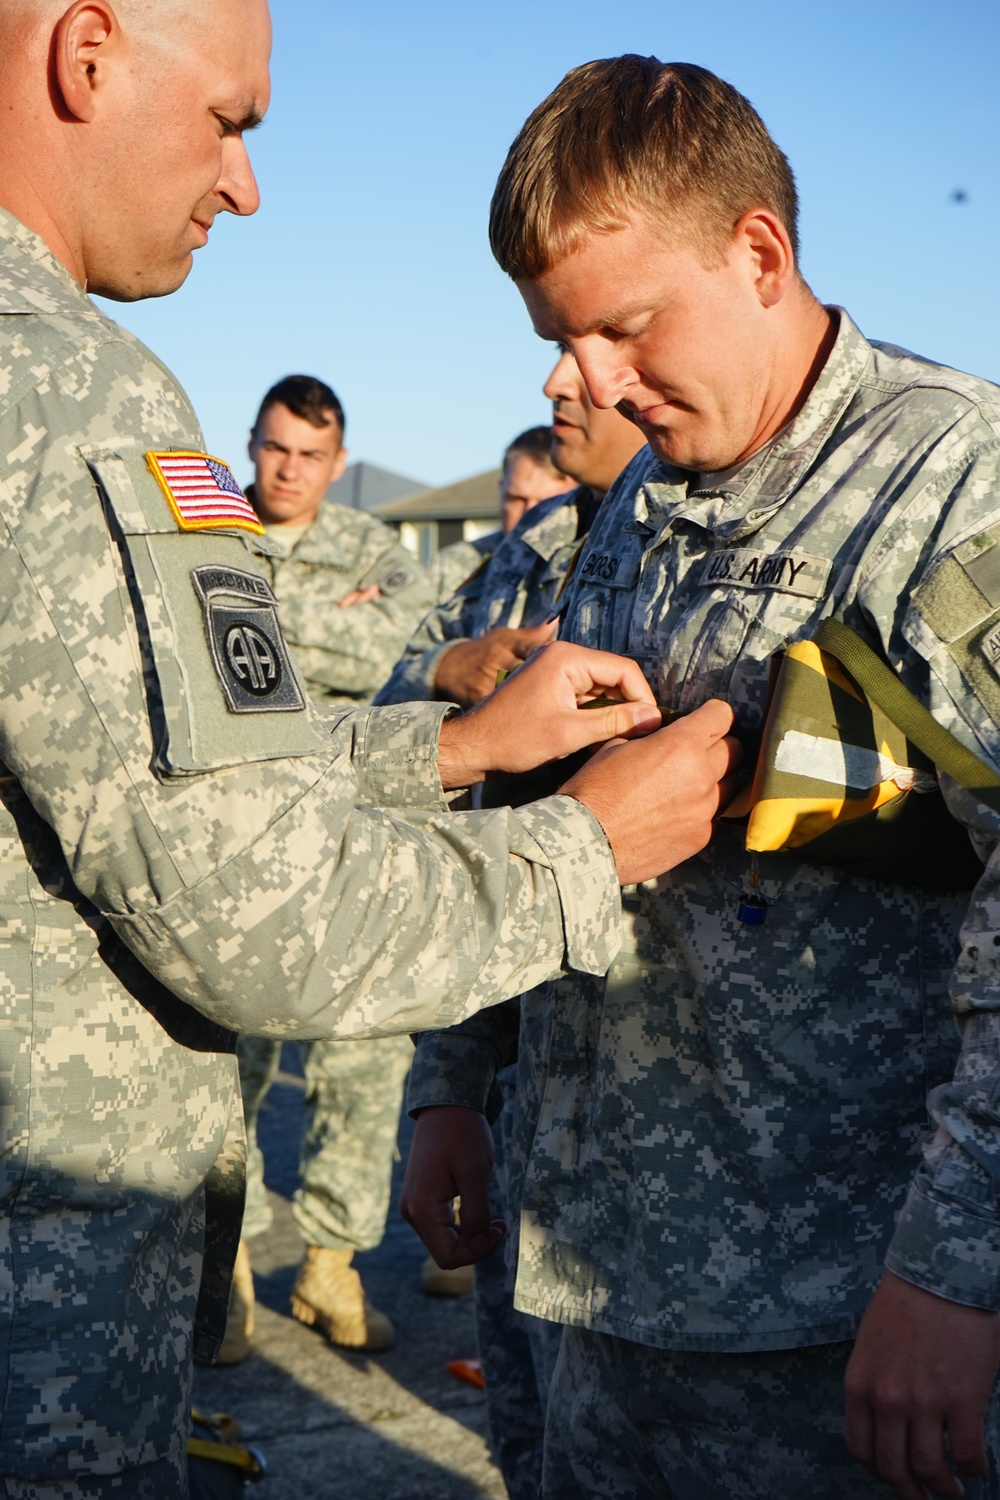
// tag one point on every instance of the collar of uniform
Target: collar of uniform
(751, 496)
(31, 279)
(314, 545)
(326, 536)
(551, 523)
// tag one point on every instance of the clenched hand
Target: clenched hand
(451, 1157)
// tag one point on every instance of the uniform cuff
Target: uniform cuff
(428, 666)
(946, 1249)
(452, 1070)
(586, 876)
(396, 756)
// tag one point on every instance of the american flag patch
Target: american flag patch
(202, 492)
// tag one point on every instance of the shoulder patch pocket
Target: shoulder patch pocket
(963, 589)
(227, 690)
(958, 602)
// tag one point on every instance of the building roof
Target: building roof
(365, 486)
(473, 499)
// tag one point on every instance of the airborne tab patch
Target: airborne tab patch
(202, 493)
(778, 572)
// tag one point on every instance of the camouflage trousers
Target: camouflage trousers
(635, 1423)
(354, 1092)
(167, 1480)
(518, 1351)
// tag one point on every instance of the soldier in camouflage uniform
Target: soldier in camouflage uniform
(526, 569)
(188, 847)
(519, 588)
(726, 1169)
(349, 594)
(527, 476)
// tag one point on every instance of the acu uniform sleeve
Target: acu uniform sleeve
(347, 653)
(458, 1067)
(155, 721)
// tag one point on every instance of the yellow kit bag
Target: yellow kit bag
(846, 774)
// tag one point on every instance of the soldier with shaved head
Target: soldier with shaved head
(188, 847)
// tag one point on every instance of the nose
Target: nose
(237, 185)
(564, 380)
(607, 375)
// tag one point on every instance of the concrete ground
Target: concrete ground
(330, 1424)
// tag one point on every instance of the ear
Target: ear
(84, 41)
(339, 465)
(770, 257)
(252, 448)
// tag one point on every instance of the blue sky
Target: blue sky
(368, 263)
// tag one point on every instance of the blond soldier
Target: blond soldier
(187, 847)
(726, 1182)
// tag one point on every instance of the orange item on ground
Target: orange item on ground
(470, 1370)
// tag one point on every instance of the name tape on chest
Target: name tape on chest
(248, 648)
(616, 572)
(202, 493)
(777, 572)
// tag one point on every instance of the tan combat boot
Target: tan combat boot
(240, 1322)
(437, 1282)
(329, 1296)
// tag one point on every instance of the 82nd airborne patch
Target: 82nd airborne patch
(246, 642)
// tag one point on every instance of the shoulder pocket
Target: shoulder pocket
(228, 690)
(954, 616)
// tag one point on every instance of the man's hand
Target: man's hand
(536, 716)
(467, 672)
(360, 596)
(451, 1157)
(656, 799)
(918, 1384)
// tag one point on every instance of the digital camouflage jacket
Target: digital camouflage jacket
(345, 654)
(727, 1137)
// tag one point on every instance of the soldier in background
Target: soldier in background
(349, 593)
(500, 614)
(520, 586)
(528, 474)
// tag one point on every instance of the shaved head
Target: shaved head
(124, 124)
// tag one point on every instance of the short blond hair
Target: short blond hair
(633, 133)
